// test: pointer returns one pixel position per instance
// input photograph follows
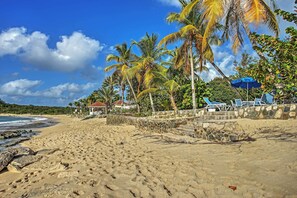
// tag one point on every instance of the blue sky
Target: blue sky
(52, 52)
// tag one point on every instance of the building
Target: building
(97, 108)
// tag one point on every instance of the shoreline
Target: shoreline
(96, 160)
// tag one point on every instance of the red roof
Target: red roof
(119, 102)
(97, 104)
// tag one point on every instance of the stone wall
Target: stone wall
(155, 125)
(287, 111)
(220, 131)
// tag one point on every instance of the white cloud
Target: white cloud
(226, 65)
(25, 87)
(171, 2)
(72, 53)
(21, 87)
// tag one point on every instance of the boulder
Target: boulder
(6, 157)
(18, 163)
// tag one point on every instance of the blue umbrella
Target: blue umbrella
(245, 83)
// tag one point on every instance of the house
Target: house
(97, 108)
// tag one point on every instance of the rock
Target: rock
(23, 161)
(46, 151)
(292, 114)
(6, 157)
(20, 151)
(68, 174)
(278, 114)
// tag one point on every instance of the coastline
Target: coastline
(96, 160)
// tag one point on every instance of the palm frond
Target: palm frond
(146, 91)
(214, 10)
(170, 38)
(188, 9)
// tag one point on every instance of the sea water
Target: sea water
(9, 122)
(12, 123)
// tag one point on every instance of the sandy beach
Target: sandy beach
(96, 160)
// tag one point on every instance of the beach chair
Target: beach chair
(259, 102)
(215, 105)
(268, 98)
(238, 103)
(233, 105)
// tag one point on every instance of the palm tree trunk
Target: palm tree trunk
(123, 94)
(225, 77)
(253, 42)
(152, 102)
(135, 98)
(192, 79)
(173, 103)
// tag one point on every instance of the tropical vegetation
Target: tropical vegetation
(165, 73)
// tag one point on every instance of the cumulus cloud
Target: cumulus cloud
(72, 53)
(171, 2)
(226, 65)
(21, 87)
(25, 87)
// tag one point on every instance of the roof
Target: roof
(97, 104)
(119, 102)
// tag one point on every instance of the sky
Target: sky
(53, 52)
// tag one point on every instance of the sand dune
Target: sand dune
(96, 160)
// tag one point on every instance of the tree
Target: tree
(190, 34)
(147, 63)
(278, 71)
(163, 84)
(237, 14)
(123, 60)
(108, 96)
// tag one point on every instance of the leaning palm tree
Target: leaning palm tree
(237, 14)
(123, 62)
(147, 63)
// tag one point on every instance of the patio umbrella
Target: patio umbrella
(245, 83)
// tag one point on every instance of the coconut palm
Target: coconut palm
(162, 83)
(190, 34)
(237, 14)
(123, 59)
(107, 95)
(148, 62)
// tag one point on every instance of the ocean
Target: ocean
(14, 130)
(13, 122)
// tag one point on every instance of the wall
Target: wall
(288, 111)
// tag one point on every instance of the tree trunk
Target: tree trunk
(135, 98)
(225, 78)
(254, 44)
(152, 102)
(193, 80)
(173, 103)
(123, 94)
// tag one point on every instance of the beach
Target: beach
(92, 159)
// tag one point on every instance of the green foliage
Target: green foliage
(184, 96)
(279, 71)
(30, 109)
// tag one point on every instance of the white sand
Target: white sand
(95, 160)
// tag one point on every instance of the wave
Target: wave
(21, 122)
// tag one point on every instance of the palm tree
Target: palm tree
(106, 95)
(191, 35)
(238, 14)
(163, 84)
(145, 64)
(123, 60)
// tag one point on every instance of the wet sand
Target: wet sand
(96, 160)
